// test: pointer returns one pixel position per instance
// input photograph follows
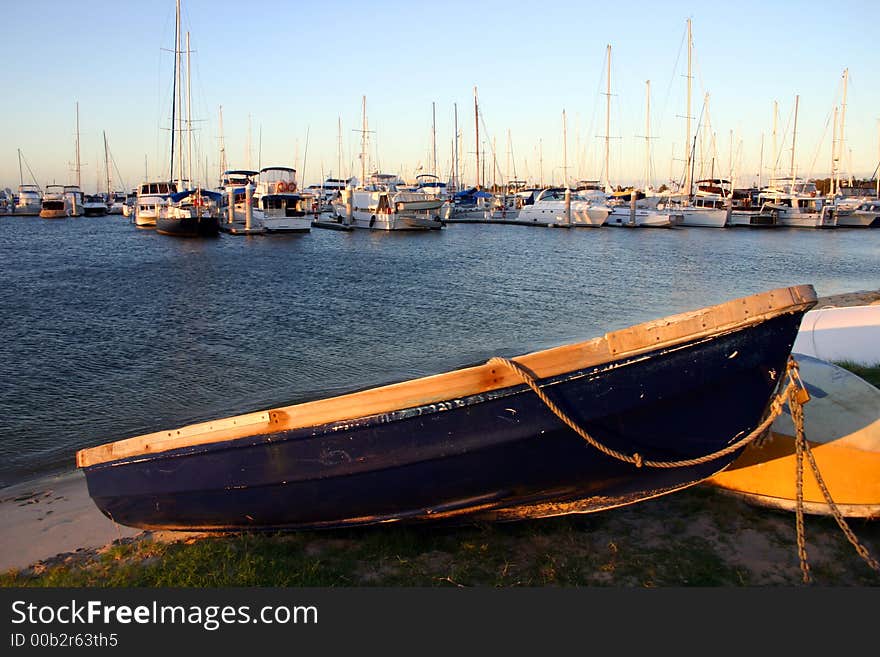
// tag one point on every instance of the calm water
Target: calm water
(107, 331)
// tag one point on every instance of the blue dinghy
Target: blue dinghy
(477, 441)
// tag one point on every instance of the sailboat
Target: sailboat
(705, 208)
(794, 201)
(625, 207)
(30, 196)
(193, 212)
(380, 204)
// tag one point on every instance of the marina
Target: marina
(268, 309)
(102, 314)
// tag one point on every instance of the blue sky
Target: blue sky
(287, 73)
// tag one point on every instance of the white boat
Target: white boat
(864, 215)
(151, 196)
(129, 204)
(641, 217)
(380, 205)
(706, 208)
(841, 421)
(29, 201)
(431, 185)
(94, 205)
(644, 212)
(77, 200)
(116, 204)
(550, 208)
(796, 204)
(55, 204)
(282, 207)
(850, 333)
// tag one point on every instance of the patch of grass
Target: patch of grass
(870, 373)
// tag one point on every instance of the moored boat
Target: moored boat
(151, 196)
(864, 215)
(29, 201)
(94, 205)
(190, 213)
(284, 209)
(672, 396)
(55, 203)
(381, 205)
(841, 424)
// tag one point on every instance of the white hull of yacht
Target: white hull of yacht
(287, 224)
(28, 207)
(394, 221)
(642, 218)
(857, 219)
(706, 218)
(806, 220)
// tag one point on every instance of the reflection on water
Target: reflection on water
(107, 331)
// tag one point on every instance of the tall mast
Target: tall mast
(647, 134)
(541, 162)
(20, 174)
(455, 149)
(775, 145)
(687, 118)
(364, 143)
(564, 151)
(434, 136)
(760, 164)
(189, 159)
(222, 144)
(179, 101)
(794, 137)
(78, 180)
(832, 188)
(477, 128)
(174, 89)
(339, 148)
(608, 121)
(508, 155)
(842, 123)
(107, 166)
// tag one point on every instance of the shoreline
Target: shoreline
(52, 519)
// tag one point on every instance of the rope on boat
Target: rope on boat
(790, 389)
(774, 411)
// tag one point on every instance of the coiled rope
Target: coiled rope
(790, 389)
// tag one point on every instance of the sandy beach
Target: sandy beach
(54, 519)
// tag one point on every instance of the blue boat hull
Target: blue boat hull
(501, 454)
(189, 226)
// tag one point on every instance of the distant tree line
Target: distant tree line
(823, 185)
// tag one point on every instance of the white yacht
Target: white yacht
(644, 212)
(865, 215)
(796, 204)
(380, 205)
(151, 196)
(549, 208)
(55, 204)
(76, 198)
(30, 199)
(282, 207)
(94, 205)
(116, 204)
